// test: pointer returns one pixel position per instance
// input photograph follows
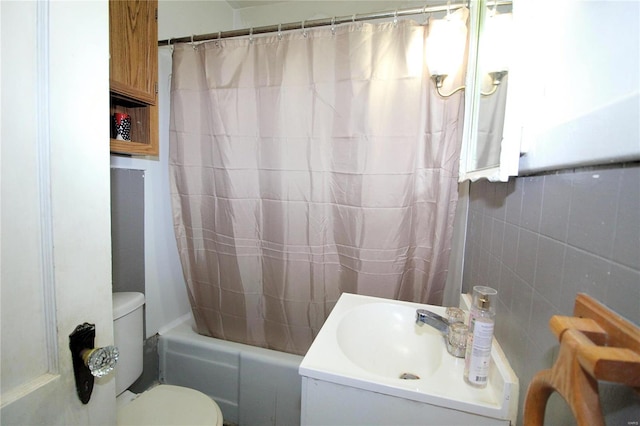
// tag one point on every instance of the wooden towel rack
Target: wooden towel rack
(595, 344)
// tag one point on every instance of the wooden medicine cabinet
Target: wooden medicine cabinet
(133, 73)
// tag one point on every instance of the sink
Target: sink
(384, 339)
(371, 364)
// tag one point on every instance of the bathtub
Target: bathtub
(252, 386)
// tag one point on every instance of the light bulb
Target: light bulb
(446, 42)
(495, 44)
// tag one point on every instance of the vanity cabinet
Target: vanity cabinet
(133, 72)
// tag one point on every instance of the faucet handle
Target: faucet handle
(454, 315)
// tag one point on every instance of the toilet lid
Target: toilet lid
(170, 405)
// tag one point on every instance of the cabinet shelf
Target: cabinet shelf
(133, 70)
(144, 127)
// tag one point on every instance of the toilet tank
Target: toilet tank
(128, 335)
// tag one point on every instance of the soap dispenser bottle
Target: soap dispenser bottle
(481, 324)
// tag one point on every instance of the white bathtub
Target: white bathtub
(252, 386)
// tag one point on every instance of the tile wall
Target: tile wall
(540, 240)
(127, 230)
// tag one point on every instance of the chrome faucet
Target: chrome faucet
(452, 329)
(434, 320)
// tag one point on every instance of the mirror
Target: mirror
(484, 154)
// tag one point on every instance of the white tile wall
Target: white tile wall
(539, 241)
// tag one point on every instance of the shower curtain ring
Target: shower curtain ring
(251, 35)
(193, 45)
(304, 31)
(395, 18)
(333, 25)
(279, 31)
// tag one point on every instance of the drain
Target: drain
(409, 376)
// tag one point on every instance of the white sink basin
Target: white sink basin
(368, 344)
(384, 339)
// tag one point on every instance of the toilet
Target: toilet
(162, 404)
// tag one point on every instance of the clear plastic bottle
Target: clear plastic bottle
(481, 324)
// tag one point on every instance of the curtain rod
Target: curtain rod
(318, 23)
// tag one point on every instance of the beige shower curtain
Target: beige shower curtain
(308, 164)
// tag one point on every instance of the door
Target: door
(55, 229)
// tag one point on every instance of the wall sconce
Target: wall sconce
(495, 48)
(496, 79)
(445, 47)
(445, 42)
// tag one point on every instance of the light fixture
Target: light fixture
(444, 43)
(495, 48)
(496, 78)
(445, 46)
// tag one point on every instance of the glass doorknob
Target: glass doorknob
(89, 362)
(100, 361)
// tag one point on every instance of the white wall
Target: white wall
(294, 11)
(185, 18)
(577, 82)
(166, 297)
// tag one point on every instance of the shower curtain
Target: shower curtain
(308, 164)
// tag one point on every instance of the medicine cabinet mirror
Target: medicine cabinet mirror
(488, 151)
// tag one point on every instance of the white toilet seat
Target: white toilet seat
(170, 405)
